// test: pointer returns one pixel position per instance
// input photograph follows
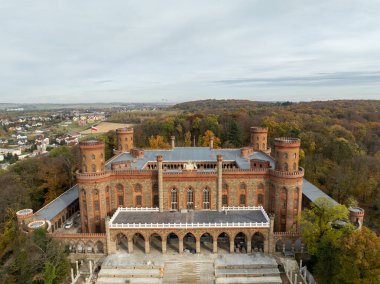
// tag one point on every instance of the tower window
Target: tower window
(93, 156)
(206, 198)
(93, 168)
(190, 199)
(174, 199)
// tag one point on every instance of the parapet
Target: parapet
(91, 144)
(287, 142)
(259, 164)
(38, 224)
(256, 129)
(246, 151)
(24, 216)
(356, 211)
(125, 130)
(137, 153)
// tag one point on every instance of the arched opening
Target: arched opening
(240, 243)
(298, 246)
(189, 243)
(190, 198)
(223, 241)
(172, 241)
(90, 247)
(139, 242)
(279, 246)
(120, 195)
(206, 242)
(225, 195)
(288, 246)
(72, 247)
(121, 242)
(174, 199)
(206, 198)
(155, 199)
(137, 198)
(99, 247)
(155, 242)
(258, 242)
(80, 247)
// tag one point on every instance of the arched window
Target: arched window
(120, 195)
(138, 195)
(93, 168)
(190, 198)
(225, 197)
(174, 199)
(283, 198)
(96, 192)
(294, 167)
(295, 155)
(263, 146)
(286, 167)
(206, 198)
(84, 157)
(296, 198)
(101, 155)
(155, 197)
(243, 185)
(260, 199)
(260, 194)
(242, 199)
(93, 156)
(286, 155)
(85, 168)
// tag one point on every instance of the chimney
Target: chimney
(172, 139)
(211, 142)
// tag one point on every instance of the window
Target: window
(190, 199)
(120, 199)
(294, 167)
(263, 146)
(126, 138)
(138, 201)
(257, 146)
(138, 195)
(206, 198)
(96, 205)
(243, 185)
(260, 199)
(97, 218)
(286, 167)
(174, 199)
(119, 188)
(286, 155)
(155, 198)
(84, 157)
(108, 204)
(295, 155)
(85, 168)
(242, 199)
(93, 156)
(225, 200)
(93, 168)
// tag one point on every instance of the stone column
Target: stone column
(172, 140)
(277, 209)
(211, 142)
(289, 209)
(160, 183)
(198, 245)
(130, 245)
(266, 246)
(180, 245)
(271, 248)
(111, 246)
(232, 245)
(215, 246)
(147, 246)
(219, 185)
(163, 245)
(249, 245)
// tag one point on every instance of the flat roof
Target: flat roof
(207, 218)
(190, 154)
(52, 209)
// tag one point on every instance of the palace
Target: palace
(234, 199)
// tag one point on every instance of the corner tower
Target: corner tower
(259, 139)
(286, 184)
(92, 156)
(124, 139)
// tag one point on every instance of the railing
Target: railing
(191, 225)
(133, 209)
(239, 208)
(299, 173)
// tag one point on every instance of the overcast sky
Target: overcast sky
(150, 51)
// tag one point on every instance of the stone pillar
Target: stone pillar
(266, 246)
(198, 245)
(180, 245)
(211, 142)
(111, 246)
(289, 209)
(215, 246)
(163, 245)
(219, 185)
(249, 245)
(172, 140)
(271, 244)
(147, 246)
(277, 209)
(232, 245)
(130, 245)
(160, 183)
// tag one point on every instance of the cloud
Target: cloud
(76, 51)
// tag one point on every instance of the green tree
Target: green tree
(187, 139)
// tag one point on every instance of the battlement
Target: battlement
(356, 211)
(287, 141)
(91, 144)
(257, 129)
(126, 130)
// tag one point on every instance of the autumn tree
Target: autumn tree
(158, 142)
(187, 141)
(206, 139)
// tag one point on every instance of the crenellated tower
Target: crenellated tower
(92, 156)
(259, 139)
(124, 139)
(286, 184)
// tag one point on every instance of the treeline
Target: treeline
(340, 139)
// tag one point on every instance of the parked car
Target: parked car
(69, 224)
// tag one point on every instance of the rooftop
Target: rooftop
(52, 209)
(128, 218)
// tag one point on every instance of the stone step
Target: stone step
(250, 280)
(130, 273)
(247, 272)
(127, 280)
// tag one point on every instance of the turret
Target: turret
(92, 156)
(124, 139)
(356, 216)
(259, 139)
(287, 154)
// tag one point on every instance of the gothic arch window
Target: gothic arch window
(294, 167)
(206, 198)
(296, 198)
(174, 199)
(138, 195)
(101, 155)
(93, 156)
(286, 155)
(155, 198)
(190, 198)
(283, 198)
(83, 193)
(93, 168)
(225, 186)
(225, 196)
(243, 185)
(260, 194)
(286, 167)
(96, 192)
(120, 195)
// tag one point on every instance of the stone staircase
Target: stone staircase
(188, 272)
